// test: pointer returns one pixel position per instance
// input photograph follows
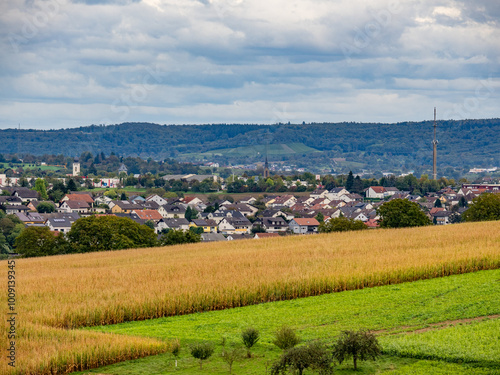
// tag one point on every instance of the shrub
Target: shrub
(341, 224)
(202, 351)
(250, 337)
(285, 338)
(360, 345)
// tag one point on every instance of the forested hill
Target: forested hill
(466, 142)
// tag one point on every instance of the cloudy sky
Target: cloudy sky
(67, 63)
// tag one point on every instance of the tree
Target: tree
(313, 356)
(462, 202)
(40, 241)
(100, 233)
(285, 338)
(360, 345)
(123, 196)
(71, 186)
(341, 224)
(150, 224)
(230, 356)
(177, 236)
(485, 207)
(45, 207)
(438, 203)
(320, 217)
(399, 213)
(250, 336)
(41, 188)
(350, 181)
(190, 213)
(202, 351)
(357, 186)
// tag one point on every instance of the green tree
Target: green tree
(358, 345)
(285, 338)
(71, 186)
(40, 241)
(190, 213)
(320, 217)
(399, 213)
(231, 355)
(250, 336)
(177, 236)
(123, 196)
(100, 233)
(313, 356)
(45, 207)
(350, 181)
(341, 224)
(41, 188)
(202, 351)
(485, 207)
(438, 203)
(462, 202)
(150, 224)
(196, 230)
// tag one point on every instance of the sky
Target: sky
(71, 63)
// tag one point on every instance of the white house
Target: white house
(304, 225)
(336, 193)
(376, 192)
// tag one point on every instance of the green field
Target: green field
(256, 151)
(32, 166)
(392, 311)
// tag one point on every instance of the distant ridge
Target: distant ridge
(464, 142)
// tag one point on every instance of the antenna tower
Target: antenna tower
(434, 150)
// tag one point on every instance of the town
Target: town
(276, 206)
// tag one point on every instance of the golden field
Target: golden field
(58, 294)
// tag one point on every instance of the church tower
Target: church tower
(76, 167)
(266, 169)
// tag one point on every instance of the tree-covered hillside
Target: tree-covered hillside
(463, 144)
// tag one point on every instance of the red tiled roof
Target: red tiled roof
(149, 215)
(80, 197)
(378, 189)
(306, 221)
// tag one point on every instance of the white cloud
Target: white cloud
(74, 63)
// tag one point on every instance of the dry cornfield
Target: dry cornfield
(59, 294)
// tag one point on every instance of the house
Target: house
(304, 225)
(212, 237)
(148, 215)
(377, 192)
(26, 195)
(13, 209)
(124, 207)
(274, 224)
(351, 198)
(209, 226)
(149, 205)
(272, 212)
(248, 200)
(11, 200)
(177, 223)
(215, 216)
(133, 217)
(59, 224)
(78, 197)
(170, 211)
(319, 193)
(192, 201)
(245, 209)
(390, 191)
(336, 193)
(81, 207)
(235, 225)
(103, 199)
(239, 236)
(157, 199)
(266, 235)
(31, 218)
(284, 200)
(442, 217)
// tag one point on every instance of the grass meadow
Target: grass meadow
(57, 295)
(409, 319)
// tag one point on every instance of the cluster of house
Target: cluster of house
(283, 214)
